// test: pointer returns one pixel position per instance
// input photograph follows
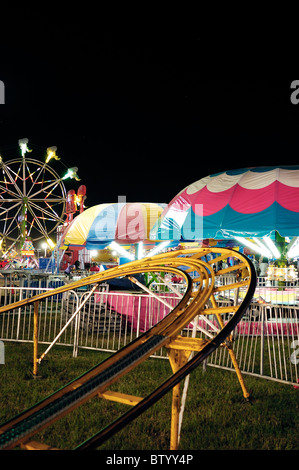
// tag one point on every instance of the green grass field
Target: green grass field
(216, 418)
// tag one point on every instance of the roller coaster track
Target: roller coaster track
(200, 298)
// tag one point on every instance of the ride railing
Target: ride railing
(265, 341)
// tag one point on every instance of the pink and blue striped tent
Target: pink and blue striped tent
(246, 202)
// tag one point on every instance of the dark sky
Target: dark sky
(141, 111)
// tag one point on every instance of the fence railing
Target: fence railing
(266, 341)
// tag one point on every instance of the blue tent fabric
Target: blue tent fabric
(246, 202)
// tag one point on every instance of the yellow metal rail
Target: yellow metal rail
(200, 299)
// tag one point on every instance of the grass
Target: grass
(216, 418)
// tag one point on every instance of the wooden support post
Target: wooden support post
(35, 338)
(179, 351)
(177, 359)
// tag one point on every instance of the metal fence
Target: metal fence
(266, 341)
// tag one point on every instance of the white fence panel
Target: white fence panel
(266, 341)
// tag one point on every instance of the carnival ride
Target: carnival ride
(120, 227)
(245, 202)
(33, 200)
(202, 299)
(245, 206)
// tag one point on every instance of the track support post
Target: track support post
(177, 358)
(179, 351)
(231, 352)
(246, 394)
(35, 338)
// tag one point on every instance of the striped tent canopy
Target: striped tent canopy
(125, 223)
(246, 202)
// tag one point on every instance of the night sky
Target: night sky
(142, 111)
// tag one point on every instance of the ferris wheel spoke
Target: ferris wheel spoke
(31, 225)
(9, 191)
(42, 230)
(14, 221)
(30, 175)
(39, 174)
(56, 200)
(52, 208)
(14, 195)
(40, 219)
(51, 192)
(46, 212)
(24, 177)
(16, 174)
(6, 210)
(45, 188)
(11, 246)
(8, 171)
(6, 189)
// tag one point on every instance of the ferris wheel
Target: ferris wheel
(32, 198)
